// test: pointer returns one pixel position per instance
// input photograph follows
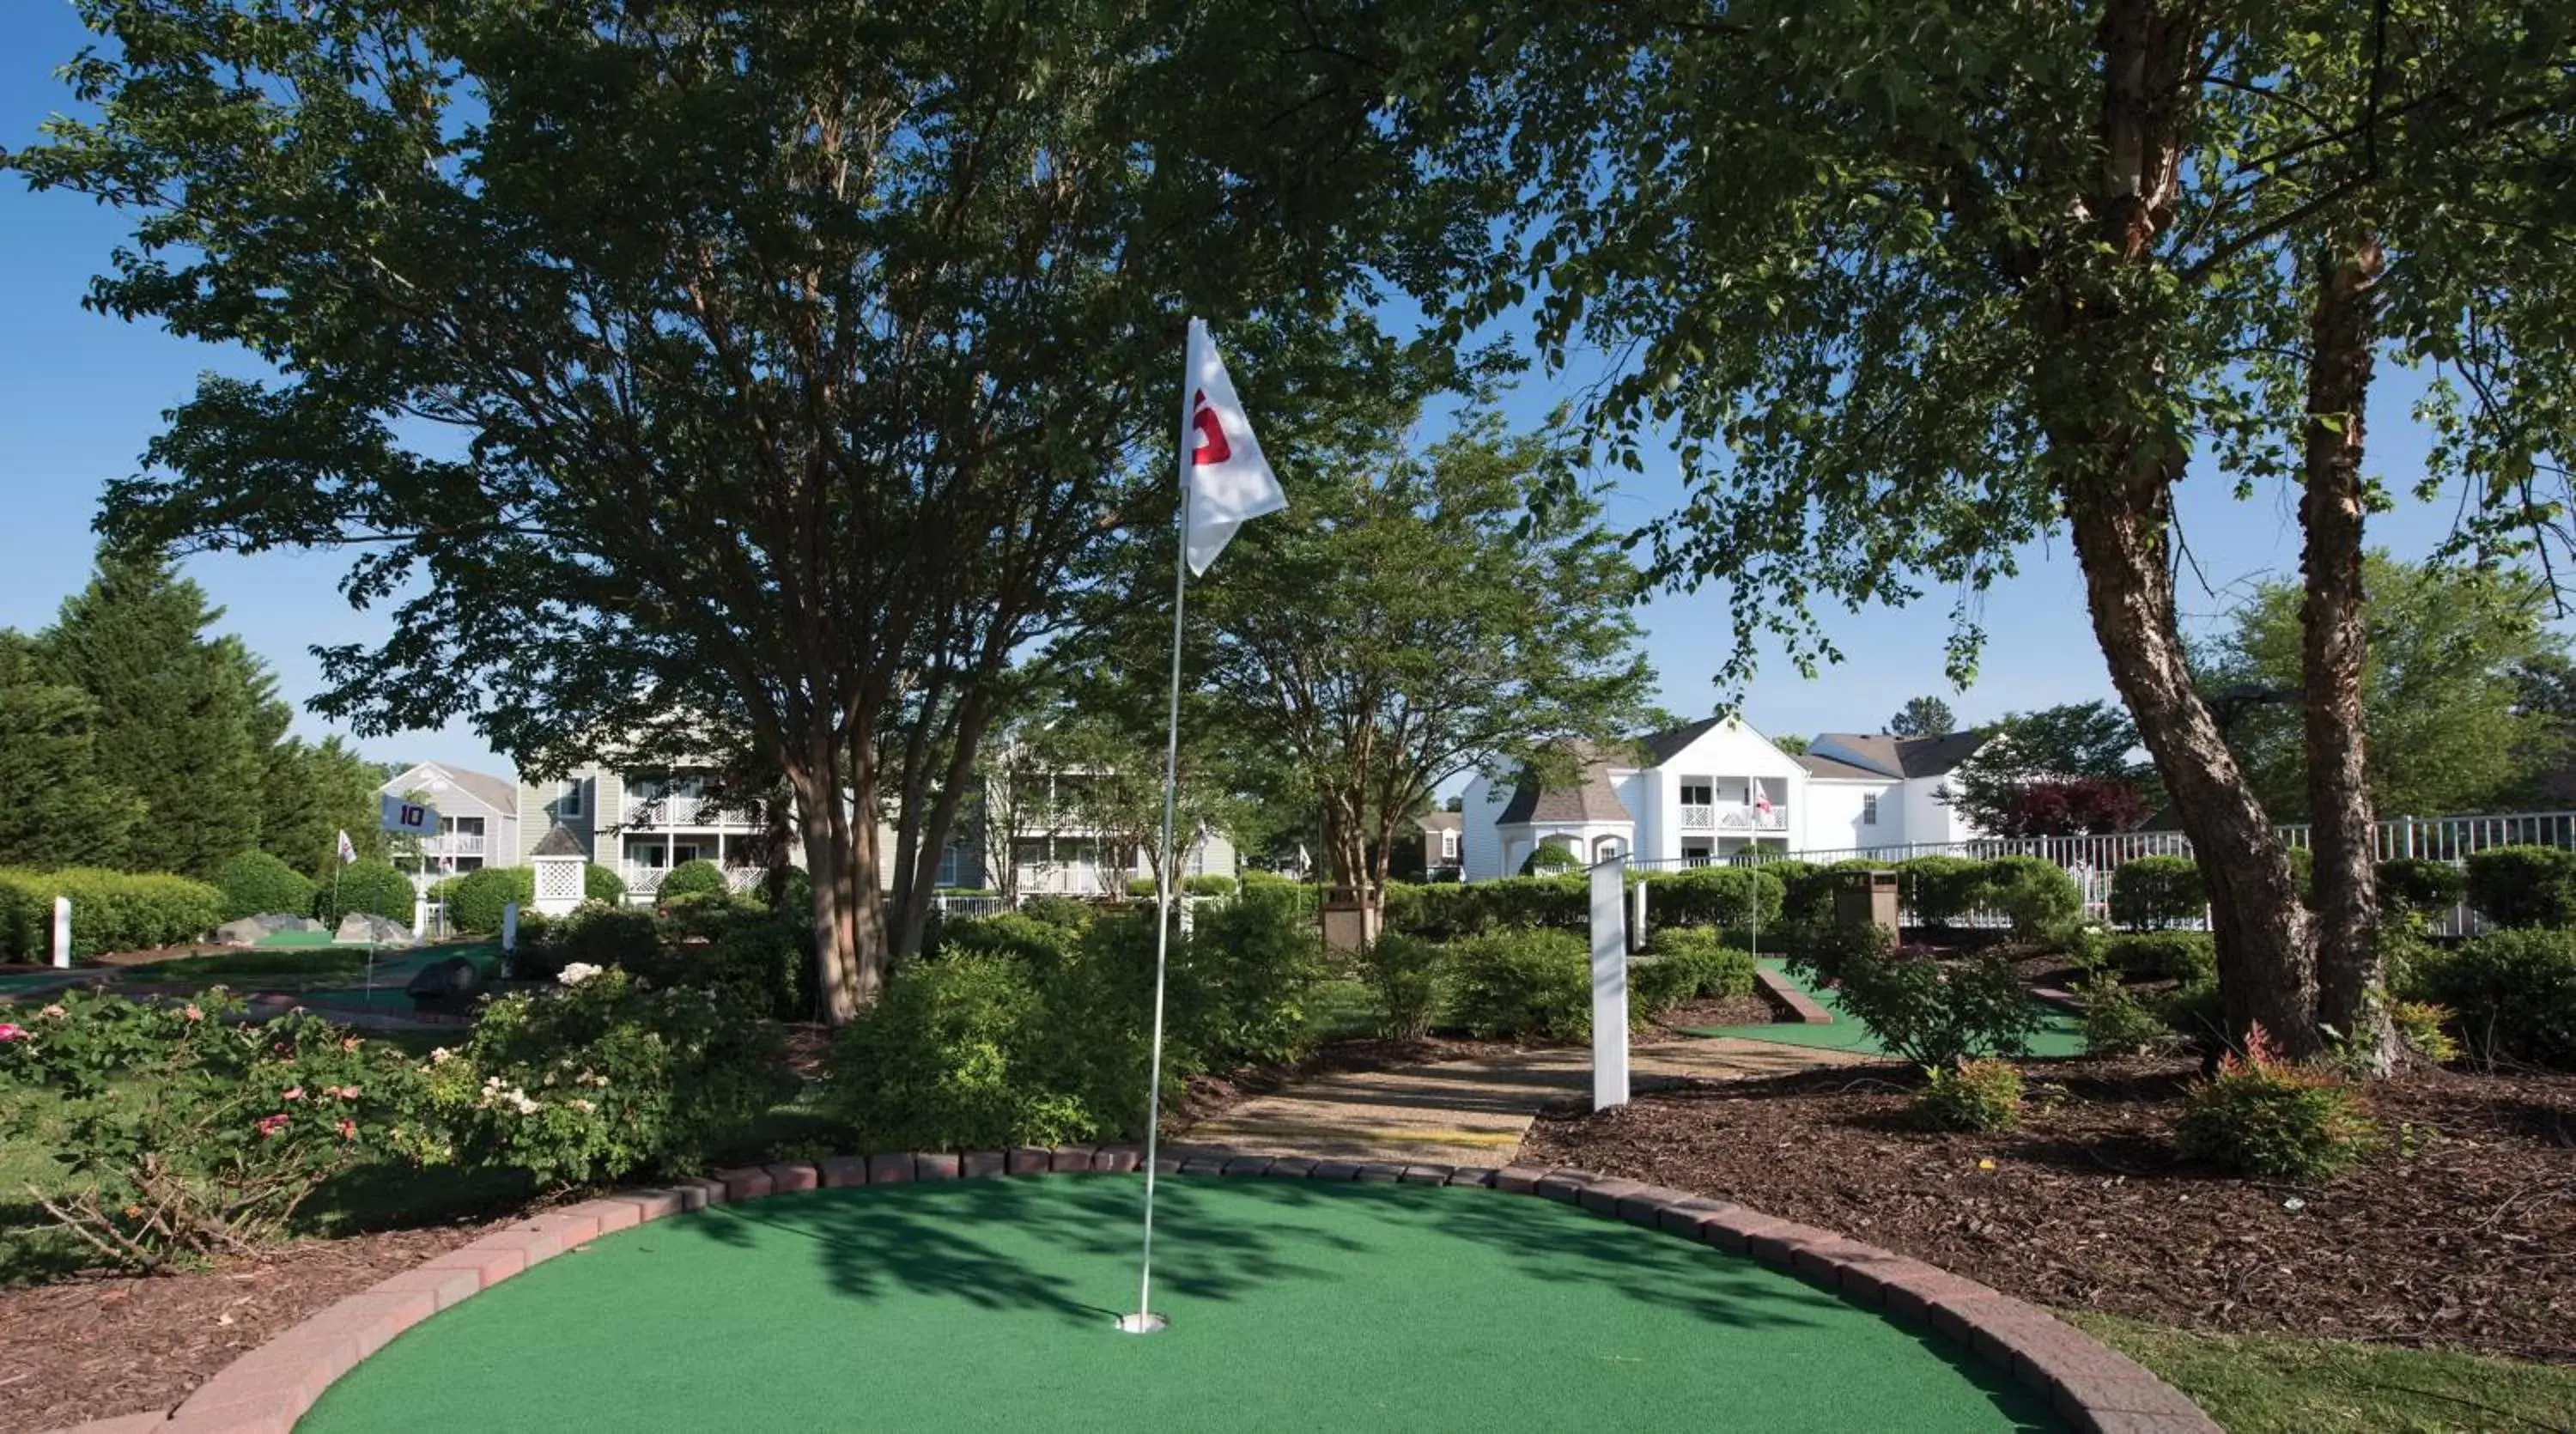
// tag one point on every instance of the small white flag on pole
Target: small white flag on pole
(1227, 481)
(412, 818)
(348, 848)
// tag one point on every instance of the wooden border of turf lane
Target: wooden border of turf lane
(2096, 1389)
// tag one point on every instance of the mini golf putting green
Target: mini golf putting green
(2059, 1034)
(988, 1303)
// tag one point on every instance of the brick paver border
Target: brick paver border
(2096, 1389)
(1802, 1007)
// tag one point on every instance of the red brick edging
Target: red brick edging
(2096, 1389)
(1802, 1007)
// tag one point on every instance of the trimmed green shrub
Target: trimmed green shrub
(1685, 964)
(1143, 887)
(111, 911)
(2157, 891)
(475, 900)
(1403, 972)
(1209, 884)
(2185, 956)
(2419, 886)
(2116, 1022)
(2274, 1120)
(1042, 944)
(954, 1056)
(758, 963)
(1061, 911)
(1727, 897)
(2523, 886)
(1930, 1012)
(372, 887)
(1806, 891)
(693, 881)
(257, 884)
(2038, 895)
(1939, 890)
(1523, 984)
(1267, 878)
(598, 883)
(2195, 1011)
(595, 934)
(1239, 984)
(599, 1080)
(1549, 857)
(2515, 995)
(1972, 1095)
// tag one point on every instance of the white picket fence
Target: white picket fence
(2092, 859)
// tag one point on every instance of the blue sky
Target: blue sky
(81, 394)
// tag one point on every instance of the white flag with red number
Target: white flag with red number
(1225, 481)
(348, 849)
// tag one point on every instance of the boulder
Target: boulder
(250, 929)
(358, 928)
(449, 987)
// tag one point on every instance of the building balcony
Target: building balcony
(690, 814)
(452, 844)
(1733, 817)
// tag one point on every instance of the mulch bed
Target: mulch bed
(1750, 1009)
(2461, 1232)
(97, 1348)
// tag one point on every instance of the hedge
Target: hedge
(693, 881)
(258, 884)
(1940, 889)
(2523, 886)
(2514, 993)
(475, 900)
(373, 887)
(2038, 894)
(1209, 884)
(1723, 896)
(111, 911)
(1523, 983)
(2157, 891)
(2420, 885)
(598, 883)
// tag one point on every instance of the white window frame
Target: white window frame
(1449, 845)
(1869, 809)
(569, 804)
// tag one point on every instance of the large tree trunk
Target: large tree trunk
(2335, 640)
(2101, 327)
(849, 911)
(2264, 964)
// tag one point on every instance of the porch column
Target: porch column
(670, 849)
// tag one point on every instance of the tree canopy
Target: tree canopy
(773, 367)
(2443, 694)
(1922, 717)
(2058, 771)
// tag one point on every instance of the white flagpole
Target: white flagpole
(1144, 1320)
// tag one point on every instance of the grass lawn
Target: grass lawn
(2281, 1384)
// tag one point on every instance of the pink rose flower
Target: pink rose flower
(271, 1125)
(9, 1032)
(293, 1092)
(348, 1130)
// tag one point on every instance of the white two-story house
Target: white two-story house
(1718, 789)
(478, 821)
(1713, 789)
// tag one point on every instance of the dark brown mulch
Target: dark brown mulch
(2462, 1232)
(98, 1348)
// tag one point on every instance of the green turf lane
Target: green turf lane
(2059, 1034)
(987, 1304)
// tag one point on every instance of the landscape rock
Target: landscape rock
(250, 930)
(449, 987)
(358, 928)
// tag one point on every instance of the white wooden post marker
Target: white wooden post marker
(1610, 983)
(509, 926)
(63, 931)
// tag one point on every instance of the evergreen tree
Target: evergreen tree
(309, 794)
(56, 809)
(175, 711)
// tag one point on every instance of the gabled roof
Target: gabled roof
(1905, 756)
(559, 842)
(1590, 798)
(1662, 747)
(499, 793)
(1441, 822)
(1827, 769)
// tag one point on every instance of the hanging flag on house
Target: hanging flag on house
(1226, 481)
(348, 848)
(1761, 798)
(410, 818)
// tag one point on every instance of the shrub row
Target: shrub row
(258, 884)
(1034, 1027)
(111, 911)
(2037, 896)
(2536, 885)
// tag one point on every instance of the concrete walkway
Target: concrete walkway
(1471, 1112)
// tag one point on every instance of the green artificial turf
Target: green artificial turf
(2059, 1034)
(988, 1304)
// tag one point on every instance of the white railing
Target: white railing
(1698, 817)
(684, 813)
(1752, 819)
(2091, 860)
(644, 882)
(452, 844)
